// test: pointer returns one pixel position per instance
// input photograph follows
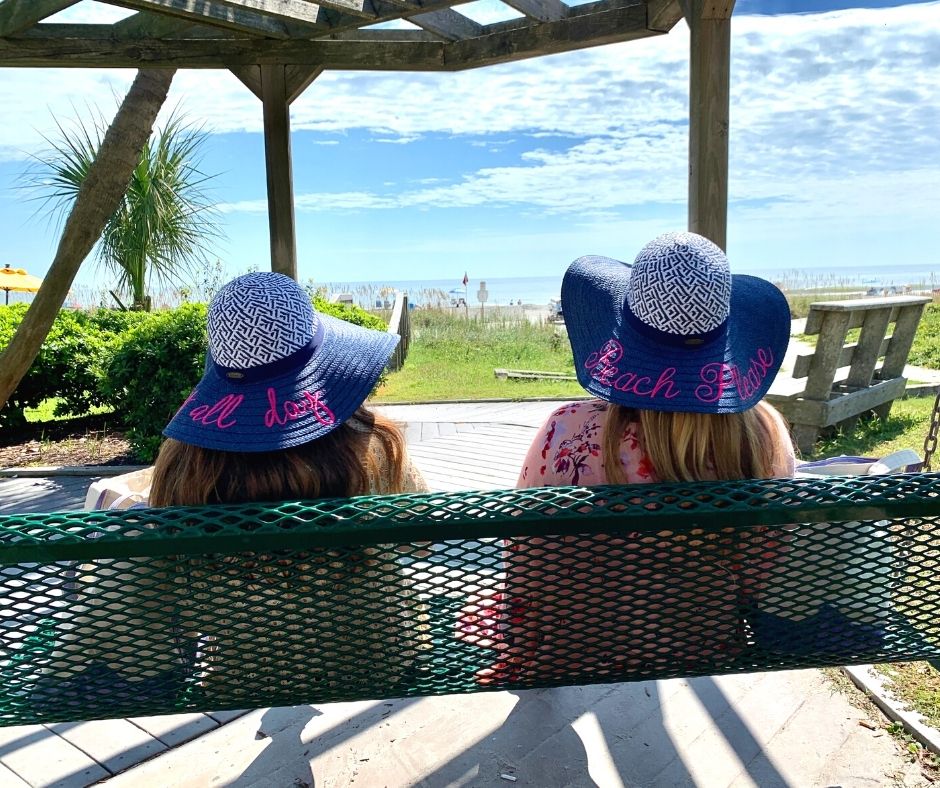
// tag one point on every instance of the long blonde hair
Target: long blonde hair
(699, 446)
(340, 464)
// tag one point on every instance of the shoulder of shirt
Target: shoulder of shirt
(582, 407)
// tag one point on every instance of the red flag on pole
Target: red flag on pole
(465, 279)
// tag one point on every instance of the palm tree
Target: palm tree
(101, 191)
(163, 227)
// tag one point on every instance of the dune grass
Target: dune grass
(453, 358)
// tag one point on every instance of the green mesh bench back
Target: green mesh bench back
(115, 614)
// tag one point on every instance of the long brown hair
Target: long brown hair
(364, 454)
(699, 446)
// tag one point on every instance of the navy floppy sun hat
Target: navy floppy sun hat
(676, 331)
(278, 373)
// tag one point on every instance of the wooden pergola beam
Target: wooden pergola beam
(229, 15)
(19, 15)
(277, 155)
(504, 42)
(543, 10)
(146, 24)
(447, 24)
(709, 109)
(297, 79)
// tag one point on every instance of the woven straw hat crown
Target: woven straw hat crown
(259, 318)
(680, 283)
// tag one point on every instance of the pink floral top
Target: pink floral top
(569, 449)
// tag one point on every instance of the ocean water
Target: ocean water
(434, 292)
(539, 289)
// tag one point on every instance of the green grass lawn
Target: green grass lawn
(905, 428)
(45, 411)
(452, 358)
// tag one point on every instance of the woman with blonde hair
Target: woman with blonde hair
(677, 353)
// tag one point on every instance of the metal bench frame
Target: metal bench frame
(889, 530)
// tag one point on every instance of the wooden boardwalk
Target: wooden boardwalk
(770, 729)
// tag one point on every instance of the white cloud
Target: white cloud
(833, 114)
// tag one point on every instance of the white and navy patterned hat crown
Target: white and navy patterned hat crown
(680, 284)
(259, 318)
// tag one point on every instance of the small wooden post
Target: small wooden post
(709, 89)
(274, 97)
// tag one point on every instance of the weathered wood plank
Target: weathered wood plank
(662, 15)
(280, 175)
(301, 12)
(214, 13)
(42, 495)
(114, 744)
(802, 363)
(822, 370)
(175, 729)
(35, 754)
(518, 40)
(864, 304)
(901, 340)
(250, 77)
(828, 413)
(868, 349)
(849, 405)
(298, 79)
(18, 15)
(145, 24)
(448, 24)
(10, 779)
(543, 10)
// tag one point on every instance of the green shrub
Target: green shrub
(144, 365)
(152, 371)
(68, 365)
(349, 313)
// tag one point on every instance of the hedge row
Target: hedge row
(141, 365)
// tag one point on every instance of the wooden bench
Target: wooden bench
(151, 611)
(824, 401)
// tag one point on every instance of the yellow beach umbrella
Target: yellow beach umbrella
(17, 280)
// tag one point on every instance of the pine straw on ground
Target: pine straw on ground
(84, 441)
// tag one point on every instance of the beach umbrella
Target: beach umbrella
(17, 280)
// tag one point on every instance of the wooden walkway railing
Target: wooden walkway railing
(400, 323)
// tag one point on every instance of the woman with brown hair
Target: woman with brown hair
(677, 354)
(279, 412)
(277, 416)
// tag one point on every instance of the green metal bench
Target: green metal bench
(118, 614)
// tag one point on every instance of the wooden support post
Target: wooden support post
(709, 86)
(274, 97)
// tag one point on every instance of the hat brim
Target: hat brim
(293, 408)
(617, 362)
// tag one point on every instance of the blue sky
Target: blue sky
(515, 170)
